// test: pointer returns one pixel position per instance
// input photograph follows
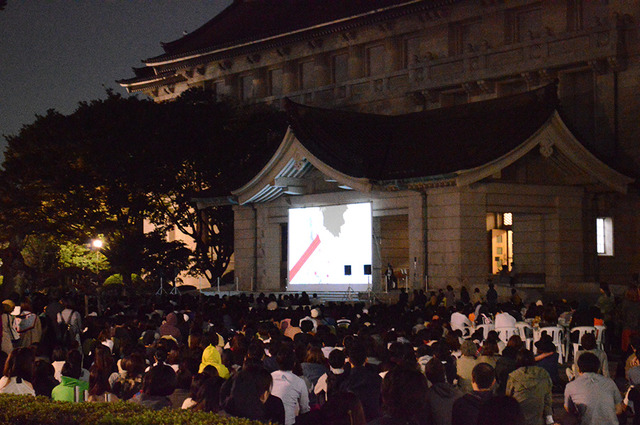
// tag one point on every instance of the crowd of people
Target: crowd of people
(294, 360)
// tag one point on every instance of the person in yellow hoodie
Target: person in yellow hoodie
(211, 357)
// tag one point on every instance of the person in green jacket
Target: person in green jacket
(531, 386)
(70, 379)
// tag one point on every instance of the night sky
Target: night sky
(56, 53)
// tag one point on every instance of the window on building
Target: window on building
(340, 68)
(583, 14)
(524, 23)
(500, 228)
(215, 87)
(246, 86)
(414, 51)
(275, 82)
(463, 35)
(307, 77)
(604, 236)
(376, 60)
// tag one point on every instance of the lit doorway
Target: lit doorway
(500, 229)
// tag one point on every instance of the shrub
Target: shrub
(28, 410)
(114, 279)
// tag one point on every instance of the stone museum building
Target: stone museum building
(493, 139)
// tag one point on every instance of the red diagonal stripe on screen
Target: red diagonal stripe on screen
(304, 258)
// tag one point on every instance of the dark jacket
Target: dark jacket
(440, 400)
(365, 383)
(504, 366)
(467, 408)
(153, 402)
(550, 364)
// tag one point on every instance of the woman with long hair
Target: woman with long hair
(18, 372)
(204, 394)
(251, 396)
(130, 380)
(101, 370)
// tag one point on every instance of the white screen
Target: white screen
(323, 240)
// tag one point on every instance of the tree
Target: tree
(117, 162)
(72, 177)
(227, 144)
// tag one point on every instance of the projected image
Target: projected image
(323, 240)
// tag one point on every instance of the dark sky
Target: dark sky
(56, 53)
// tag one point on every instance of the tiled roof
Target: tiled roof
(249, 20)
(432, 143)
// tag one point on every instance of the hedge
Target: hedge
(28, 410)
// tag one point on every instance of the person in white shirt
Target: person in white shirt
(504, 320)
(459, 320)
(291, 389)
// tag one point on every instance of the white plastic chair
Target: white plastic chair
(486, 328)
(601, 333)
(557, 336)
(581, 330)
(505, 333)
(526, 333)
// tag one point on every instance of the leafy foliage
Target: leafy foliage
(117, 162)
(77, 256)
(28, 410)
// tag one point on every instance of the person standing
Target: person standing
(9, 334)
(492, 297)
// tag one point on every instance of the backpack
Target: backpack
(24, 322)
(66, 333)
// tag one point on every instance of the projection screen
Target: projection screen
(329, 248)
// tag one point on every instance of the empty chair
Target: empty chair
(576, 336)
(557, 335)
(485, 329)
(507, 332)
(526, 333)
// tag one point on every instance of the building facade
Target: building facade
(562, 225)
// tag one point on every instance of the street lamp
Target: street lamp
(97, 244)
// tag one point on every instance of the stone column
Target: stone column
(244, 235)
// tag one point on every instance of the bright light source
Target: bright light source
(96, 243)
(508, 219)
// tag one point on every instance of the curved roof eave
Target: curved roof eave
(553, 133)
(168, 59)
(291, 150)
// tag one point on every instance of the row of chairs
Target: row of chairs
(566, 342)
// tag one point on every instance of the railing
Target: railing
(537, 59)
